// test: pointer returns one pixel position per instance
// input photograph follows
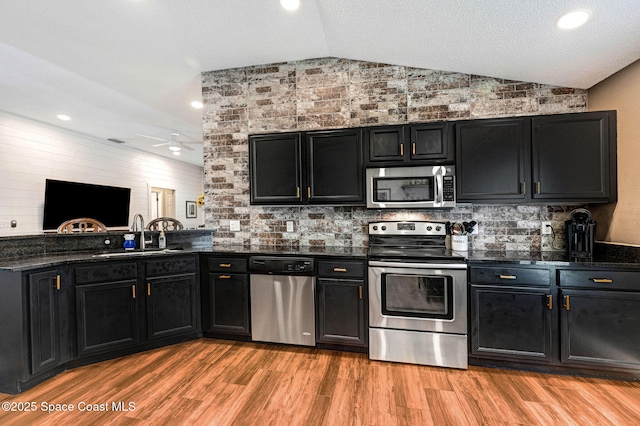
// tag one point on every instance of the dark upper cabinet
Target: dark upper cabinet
(492, 159)
(415, 144)
(555, 158)
(324, 167)
(571, 157)
(334, 167)
(276, 168)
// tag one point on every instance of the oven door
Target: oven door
(418, 296)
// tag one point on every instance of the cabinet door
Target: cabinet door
(171, 306)
(571, 157)
(107, 316)
(430, 142)
(341, 312)
(45, 328)
(387, 143)
(229, 304)
(334, 167)
(275, 169)
(601, 328)
(492, 160)
(511, 323)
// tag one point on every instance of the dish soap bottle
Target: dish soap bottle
(162, 240)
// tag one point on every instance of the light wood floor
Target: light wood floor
(222, 382)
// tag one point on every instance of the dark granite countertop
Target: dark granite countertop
(609, 256)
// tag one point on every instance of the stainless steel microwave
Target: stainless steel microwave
(417, 187)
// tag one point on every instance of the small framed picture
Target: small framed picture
(192, 209)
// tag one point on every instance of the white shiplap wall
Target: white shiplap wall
(31, 152)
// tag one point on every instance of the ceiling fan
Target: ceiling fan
(174, 144)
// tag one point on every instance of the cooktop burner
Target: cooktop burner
(410, 240)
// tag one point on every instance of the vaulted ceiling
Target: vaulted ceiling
(122, 68)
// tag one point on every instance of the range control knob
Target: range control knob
(438, 228)
(375, 227)
(384, 228)
(429, 228)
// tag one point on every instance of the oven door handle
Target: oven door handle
(418, 265)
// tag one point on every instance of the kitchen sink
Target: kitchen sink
(138, 253)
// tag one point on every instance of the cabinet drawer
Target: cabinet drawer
(170, 265)
(105, 272)
(510, 276)
(619, 280)
(341, 268)
(227, 264)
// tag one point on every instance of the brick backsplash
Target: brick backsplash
(329, 93)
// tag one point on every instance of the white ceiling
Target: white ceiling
(125, 67)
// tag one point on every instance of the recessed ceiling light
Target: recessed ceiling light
(290, 4)
(176, 152)
(574, 19)
(196, 104)
(64, 117)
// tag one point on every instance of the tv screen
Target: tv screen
(73, 200)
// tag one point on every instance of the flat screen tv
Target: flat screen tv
(72, 200)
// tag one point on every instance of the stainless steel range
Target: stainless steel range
(417, 295)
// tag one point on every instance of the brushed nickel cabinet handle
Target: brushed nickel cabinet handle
(401, 149)
(360, 291)
(413, 148)
(538, 187)
(133, 291)
(339, 269)
(508, 277)
(523, 187)
(298, 188)
(309, 192)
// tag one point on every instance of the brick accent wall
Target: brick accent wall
(331, 93)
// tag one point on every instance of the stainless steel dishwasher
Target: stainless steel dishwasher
(282, 300)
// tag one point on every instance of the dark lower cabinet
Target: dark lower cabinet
(566, 319)
(107, 316)
(601, 328)
(172, 306)
(34, 327)
(341, 308)
(229, 300)
(511, 322)
(225, 297)
(135, 304)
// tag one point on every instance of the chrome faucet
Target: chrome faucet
(134, 228)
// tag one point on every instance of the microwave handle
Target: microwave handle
(439, 189)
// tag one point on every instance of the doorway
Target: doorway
(162, 203)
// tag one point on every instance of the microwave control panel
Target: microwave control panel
(448, 188)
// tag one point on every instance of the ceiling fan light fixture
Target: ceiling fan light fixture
(63, 117)
(573, 19)
(174, 148)
(176, 152)
(196, 104)
(290, 5)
